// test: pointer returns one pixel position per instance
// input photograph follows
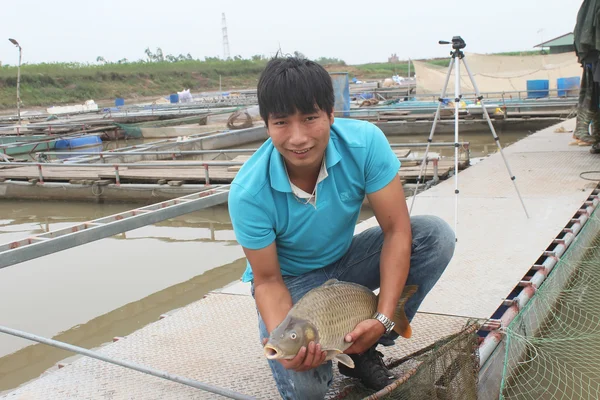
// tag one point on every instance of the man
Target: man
(294, 205)
(587, 48)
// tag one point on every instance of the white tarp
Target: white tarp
(89, 105)
(494, 73)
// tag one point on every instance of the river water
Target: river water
(89, 294)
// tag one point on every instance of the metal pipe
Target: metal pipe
(432, 108)
(432, 144)
(13, 41)
(224, 151)
(127, 364)
(31, 247)
(124, 186)
(206, 176)
(149, 152)
(40, 173)
(117, 178)
(154, 165)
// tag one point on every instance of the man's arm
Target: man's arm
(274, 302)
(272, 296)
(389, 206)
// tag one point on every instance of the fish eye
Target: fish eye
(293, 335)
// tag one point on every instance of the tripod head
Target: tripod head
(457, 43)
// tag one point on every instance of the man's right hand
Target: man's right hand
(306, 359)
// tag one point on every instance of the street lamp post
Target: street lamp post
(13, 41)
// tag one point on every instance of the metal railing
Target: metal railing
(204, 164)
(175, 153)
(378, 110)
(172, 153)
(552, 93)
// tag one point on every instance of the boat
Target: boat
(12, 145)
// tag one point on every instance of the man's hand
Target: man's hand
(305, 359)
(364, 335)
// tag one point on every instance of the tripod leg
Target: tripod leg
(489, 121)
(457, 97)
(430, 139)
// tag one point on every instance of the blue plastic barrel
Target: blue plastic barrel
(119, 102)
(568, 86)
(82, 141)
(341, 90)
(174, 98)
(538, 88)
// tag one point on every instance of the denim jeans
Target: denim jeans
(433, 244)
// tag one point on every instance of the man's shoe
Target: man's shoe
(370, 369)
(595, 148)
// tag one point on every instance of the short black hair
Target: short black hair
(292, 84)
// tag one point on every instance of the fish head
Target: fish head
(286, 340)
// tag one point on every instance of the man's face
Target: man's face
(301, 138)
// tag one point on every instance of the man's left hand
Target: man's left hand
(365, 335)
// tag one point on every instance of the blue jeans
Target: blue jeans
(432, 248)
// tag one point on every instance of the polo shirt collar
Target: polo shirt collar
(278, 176)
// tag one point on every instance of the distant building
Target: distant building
(561, 44)
(393, 59)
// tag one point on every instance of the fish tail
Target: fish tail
(402, 326)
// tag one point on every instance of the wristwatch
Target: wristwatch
(388, 323)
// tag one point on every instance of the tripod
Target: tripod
(457, 55)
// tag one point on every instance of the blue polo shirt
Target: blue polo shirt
(263, 209)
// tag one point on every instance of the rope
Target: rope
(590, 172)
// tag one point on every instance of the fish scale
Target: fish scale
(335, 310)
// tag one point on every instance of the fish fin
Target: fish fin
(331, 354)
(344, 359)
(402, 326)
(330, 282)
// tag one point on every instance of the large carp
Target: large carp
(325, 315)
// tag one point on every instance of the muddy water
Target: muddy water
(91, 293)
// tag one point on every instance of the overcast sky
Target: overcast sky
(355, 31)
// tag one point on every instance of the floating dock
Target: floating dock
(153, 172)
(215, 340)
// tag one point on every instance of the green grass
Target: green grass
(49, 84)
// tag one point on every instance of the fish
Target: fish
(325, 315)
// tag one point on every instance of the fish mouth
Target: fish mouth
(271, 352)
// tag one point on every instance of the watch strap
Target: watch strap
(387, 323)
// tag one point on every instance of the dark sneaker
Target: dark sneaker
(370, 369)
(595, 148)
